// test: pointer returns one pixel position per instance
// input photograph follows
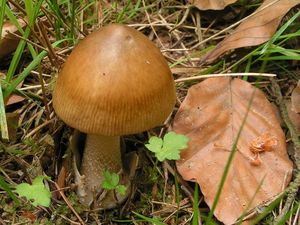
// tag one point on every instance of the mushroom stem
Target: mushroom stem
(100, 153)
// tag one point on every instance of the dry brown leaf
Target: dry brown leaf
(211, 4)
(295, 98)
(8, 42)
(62, 176)
(255, 30)
(211, 116)
(13, 99)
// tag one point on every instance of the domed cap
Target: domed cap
(114, 82)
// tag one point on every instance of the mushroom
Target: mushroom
(115, 82)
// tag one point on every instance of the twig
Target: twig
(44, 98)
(186, 13)
(297, 216)
(149, 20)
(28, 41)
(35, 130)
(2, 222)
(293, 186)
(69, 204)
(70, 221)
(224, 75)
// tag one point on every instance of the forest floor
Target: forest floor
(38, 139)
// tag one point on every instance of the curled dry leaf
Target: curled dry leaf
(211, 4)
(211, 116)
(255, 30)
(295, 98)
(8, 42)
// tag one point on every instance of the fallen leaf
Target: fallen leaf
(211, 116)
(211, 4)
(62, 176)
(8, 42)
(295, 98)
(255, 30)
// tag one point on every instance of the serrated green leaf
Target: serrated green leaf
(111, 180)
(121, 189)
(37, 193)
(169, 147)
(115, 179)
(155, 144)
(173, 141)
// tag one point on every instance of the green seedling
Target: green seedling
(169, 147)
(36, 193)
(112, 182)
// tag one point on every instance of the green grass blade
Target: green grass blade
(17, 56)
(15, 22)
(58, 24)
(27, 70)
(2, 11)
(7, 189)
(178, 197)
(32, 12)
(195, 206)
(3, 122)
(13, 19)
(288, 215)
(149, 220)
(251, 201)
(73, 21)
(29, 11)
(279, 32)
(267, 210)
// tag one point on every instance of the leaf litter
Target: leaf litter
(211, 4)
(255, 29)
(211, 116)
(162, 27)
(8, 42)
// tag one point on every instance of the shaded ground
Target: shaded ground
(39, 139)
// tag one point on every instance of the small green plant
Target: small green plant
(169, 147)
(112, 182)
(36, 193)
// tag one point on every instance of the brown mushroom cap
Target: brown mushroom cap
(115, 82)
